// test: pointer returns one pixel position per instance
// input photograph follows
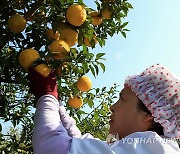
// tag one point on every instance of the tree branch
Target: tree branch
(91, 112)
(34, 8)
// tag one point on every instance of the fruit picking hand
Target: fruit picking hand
(41, 85)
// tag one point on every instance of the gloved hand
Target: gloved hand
(69, 123)
(41, 85)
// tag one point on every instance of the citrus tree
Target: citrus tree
(55, 35)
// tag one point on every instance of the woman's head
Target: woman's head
(158, 110)
(127, 117)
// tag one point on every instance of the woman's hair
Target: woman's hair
(155, 127)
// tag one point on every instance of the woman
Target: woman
(145, 119)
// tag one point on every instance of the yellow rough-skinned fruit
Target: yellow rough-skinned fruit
(87, 41)
(96, 18)
(51, 36)
(70, 36)
(16, 23)
(84, 83)
(75, 102)
(96, 21)
(44, 69)
(76, 14)
(106, 13)
(60, 49)
(27, 57)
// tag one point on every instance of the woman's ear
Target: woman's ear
(148, 118)
(148, 121)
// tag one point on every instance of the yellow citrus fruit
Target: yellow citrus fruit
(44, 69)
(70, 36)
(96, 18)
(16, 23)
(87, 41)
(75, 102)
(96, 21)
(27, 57)
(51, 36)
(43, 13)
(106, 13)
(76, 14)
(60, 49)
(84, 83)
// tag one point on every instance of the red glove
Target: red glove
(41, 85)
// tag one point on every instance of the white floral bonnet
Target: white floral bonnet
(159, 90)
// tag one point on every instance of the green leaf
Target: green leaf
(85, 66)
(99, 55)
(74, 50)
(124, 24)
(101, 42)
(96, 117)
(129, 5)
(97, 90)
(85, 49)
(81, 71)
(103, 89)
(103, 112)
(80, 2)
(81, 112)
(105, 107)
(96, 68)
(91, 95)
(92, 122)
(125, 9)
(123, 34)
(126, 30)
(102, 66)
(92, 70)
(90, 103)
(81, 58)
